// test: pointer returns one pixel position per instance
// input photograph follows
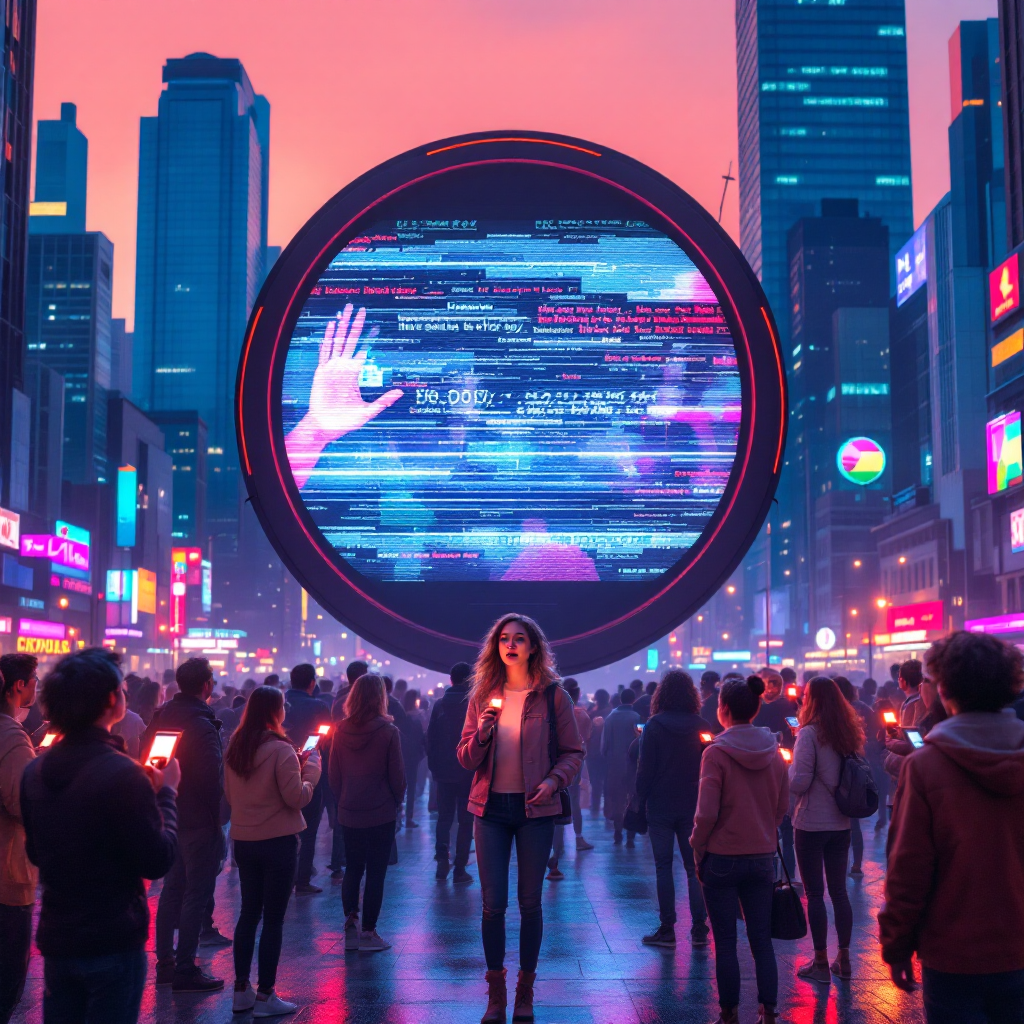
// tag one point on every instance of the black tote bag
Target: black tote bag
(789, 921)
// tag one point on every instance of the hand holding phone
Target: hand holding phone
(323, 730)
(310, 745)
(915, 738)
(495, 703)
(169, 776)
(162, 750)
(707, 737)
(787, 755)
(793, 723)
(49, 739)
(792, 692)
(488, 719)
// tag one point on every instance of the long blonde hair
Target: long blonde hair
(489, 671)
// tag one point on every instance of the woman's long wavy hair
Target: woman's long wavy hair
(675, 692)
(836, 722)
(259, 723)
(489, 671)
(367, 700)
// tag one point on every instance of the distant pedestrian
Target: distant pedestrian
(954, 890)
(619, 733)
(413, 750)
(267, 785)
(597, 763)
(709, 700)
(585, 726)
(368, 777)
(642, 705)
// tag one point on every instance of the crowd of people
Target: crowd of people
(753, 779)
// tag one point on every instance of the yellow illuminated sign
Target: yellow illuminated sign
(1008, 347)
(38, 645)
(48, 209)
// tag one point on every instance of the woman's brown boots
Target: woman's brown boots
(497, 998)
(523, 1007)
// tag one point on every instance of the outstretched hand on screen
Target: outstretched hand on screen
(336, 406)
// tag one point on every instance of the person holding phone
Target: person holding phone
(742, 799)
(518, 777)
(368, 777)
(96, 825)
(830, 730)
(267, 784)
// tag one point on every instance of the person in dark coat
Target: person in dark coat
(642, 705)
(447, 718)
(597, 763)
(619, 732)
(96, 824)
(304, 714)
(709, 701)
(667, 782)
(414, 746)
(187, 894)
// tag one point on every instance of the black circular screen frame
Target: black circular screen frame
(511, 175)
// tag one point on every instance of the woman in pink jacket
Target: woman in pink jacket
(743, 797)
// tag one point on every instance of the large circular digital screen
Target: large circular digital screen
(518, 373)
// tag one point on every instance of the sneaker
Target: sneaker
(313, 871)
(351, 933)
(272, 1006)
(442, 870)
(213, 937)
(195, 979)
(555, 875)
(243, 1000)
(371, 942)
(699, 939)
(582, 844)
(306, 890)
(617, 839)
(841, 967)
(816, 970)
(411, 824)
(337, 877)
(462, 876)
(665, 936)
(552, 862)
(165, 971)
(630, 843)
(856, 871)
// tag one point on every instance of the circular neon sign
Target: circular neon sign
(511, 372)
(861, 460)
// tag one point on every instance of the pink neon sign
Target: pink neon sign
(62, 550)
(41, 629)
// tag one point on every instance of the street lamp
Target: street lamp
(880, 604)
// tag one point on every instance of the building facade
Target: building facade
(62, 170)
(202, 238)
(1011, 61)
(185, 440)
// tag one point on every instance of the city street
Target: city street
(593, 968)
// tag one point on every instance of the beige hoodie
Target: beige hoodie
(18, 876)
(269, 803)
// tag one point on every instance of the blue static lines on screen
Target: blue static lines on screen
(568, 402)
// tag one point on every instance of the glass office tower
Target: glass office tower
(62, 161)
(822, 115)
(202, 238)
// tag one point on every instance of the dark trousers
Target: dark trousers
(412, 775)
(187, 894)
(857, 842)
(973, 998)
(748, 882)
(823, 857)
(311, 813)
(665, 833)
(366, 849)
(504, 821)
(266, 873)
(94, 989)
(452, 799)
(597, 769)
(15, 946)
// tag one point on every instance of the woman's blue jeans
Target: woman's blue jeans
(729, 883)
(504, 821)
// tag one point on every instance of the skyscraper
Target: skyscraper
(1011, 49)
(185, 440)
(62, 159)
(202, 239)
(822, 113)
(16, 128)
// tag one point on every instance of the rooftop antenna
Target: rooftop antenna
(727, 177)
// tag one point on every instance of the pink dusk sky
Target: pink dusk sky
(353, 82)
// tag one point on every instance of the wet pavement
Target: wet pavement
(593, 969)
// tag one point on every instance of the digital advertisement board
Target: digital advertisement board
(912, 266)
(860, 460)
(1004, 456)
(1017, 530)
(511, 372)
(1004, 288)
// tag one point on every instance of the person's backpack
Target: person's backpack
(856, 795)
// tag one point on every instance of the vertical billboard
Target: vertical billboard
(10, 530)
(127, 484)
(179, 575)
(1004, 458)
(1004, 288)
(911, 266)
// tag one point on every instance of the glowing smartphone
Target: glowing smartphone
(787, 755)
(49, 739)
(706, 737)
(793, 723)
(496, 703)
(639, 727)
(791, 692)
(322, 730)
(310, 745)
(164, 745)
(889, 717)
(915, 737)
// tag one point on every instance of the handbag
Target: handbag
(564, 817)
(789, 921)
(635, 819)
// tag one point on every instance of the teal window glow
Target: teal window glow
(891, 30)
(786, 179)
(864, 389)
(127, 482)
(831, 394)
(893, 179)
(845, 101)
(793, 133)
(652, 659)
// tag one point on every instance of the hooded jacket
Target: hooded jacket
(269, 803)
(447, 717)
(954, 889)
(744, 794)
(17, 875)
(95, 829)
(668, 774)
(366, 772)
